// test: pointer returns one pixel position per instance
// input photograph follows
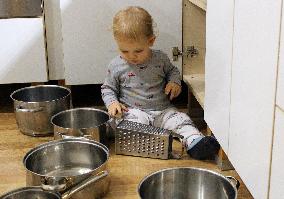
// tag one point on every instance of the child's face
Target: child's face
(135, 52)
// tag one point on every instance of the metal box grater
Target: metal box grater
(132, 138)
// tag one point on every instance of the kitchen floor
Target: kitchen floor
(126, 171)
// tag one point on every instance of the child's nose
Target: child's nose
(133, 56)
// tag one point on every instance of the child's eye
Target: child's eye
(124, 51)
(138, 51)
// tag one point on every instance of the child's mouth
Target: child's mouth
(134, 61)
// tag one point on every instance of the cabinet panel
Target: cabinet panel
(277, 172)
(87, 37)
(280, 81)
(219, 39)
(22, 52)
(254, 67)
(54, 39)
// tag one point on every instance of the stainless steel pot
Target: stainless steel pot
(35, 105)
(187, 183)
(77, 168)
(90, 123)
(30, 193)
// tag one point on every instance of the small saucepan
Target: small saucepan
(74, 167)
(89, 123)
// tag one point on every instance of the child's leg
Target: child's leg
(198, 146)
(136, 115)
(178, 122)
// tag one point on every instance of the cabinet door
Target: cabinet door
(22, 52)
(277, 165)
(280, 81)
(254, 67)
(88, 44)
(219, 40)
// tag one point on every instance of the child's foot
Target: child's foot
(205, 149)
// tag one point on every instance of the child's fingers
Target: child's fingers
(172, 96)
(123, 107)
(175, 93)
(118, 110)
(178, 91)
(167, 90)
(112, 112)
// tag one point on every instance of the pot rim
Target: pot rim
(37, 188)
(54, 142)
(193, 168)
(76, 109)
(30, 87)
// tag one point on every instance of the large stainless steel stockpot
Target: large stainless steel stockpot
(90, 123)
(187, 183)
(35, 105)
(71, 166)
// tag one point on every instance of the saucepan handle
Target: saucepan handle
(28, 110)
(113, 122)
(50, 183)
(174, 155)
(234, 181)
(68, 194)
(64, 136)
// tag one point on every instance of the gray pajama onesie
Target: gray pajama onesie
(142, 89)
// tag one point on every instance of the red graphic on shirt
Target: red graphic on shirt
(131, 74)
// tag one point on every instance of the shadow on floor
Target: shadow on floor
(90, 96)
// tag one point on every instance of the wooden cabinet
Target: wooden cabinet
(240, 76)
(22, 52)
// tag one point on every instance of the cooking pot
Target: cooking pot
(30, 193)
(35, 105)
(187, 183)
(74, 167)
(90, 123)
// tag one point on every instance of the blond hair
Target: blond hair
(132, 23)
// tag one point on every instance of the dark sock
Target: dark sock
(205, 149)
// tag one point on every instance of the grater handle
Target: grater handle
(174, 155)
(114, 122)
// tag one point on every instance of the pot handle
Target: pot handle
(234, 181)
(68, 194)
(53, 183)
(26, 110)
(64, 136)
(174, 155)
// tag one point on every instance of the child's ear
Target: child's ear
(151, 40)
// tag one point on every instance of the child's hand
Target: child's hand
(116, 109)
(173, 88)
